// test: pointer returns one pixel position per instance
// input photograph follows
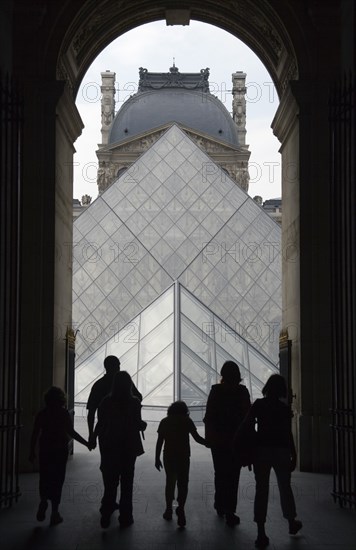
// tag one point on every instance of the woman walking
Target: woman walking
(227, 405)
(274, 449)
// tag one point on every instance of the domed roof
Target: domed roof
(194, 108)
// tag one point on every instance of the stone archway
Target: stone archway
(257, 24)
(258, 27)
(282, 36)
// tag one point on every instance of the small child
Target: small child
(52, 426)
(174, 431)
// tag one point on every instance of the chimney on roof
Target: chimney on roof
(239, 104)
(107, 104)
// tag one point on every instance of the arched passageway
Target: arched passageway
(50, 49)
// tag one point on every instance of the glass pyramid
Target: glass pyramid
(174, 349)
(174, 215)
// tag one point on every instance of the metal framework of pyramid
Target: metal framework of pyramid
(174, 349)
(175, 218)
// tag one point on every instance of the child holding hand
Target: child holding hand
(52, 427)
(173, 432)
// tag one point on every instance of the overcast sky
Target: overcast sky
(194, 47)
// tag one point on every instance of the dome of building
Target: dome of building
(195, 109)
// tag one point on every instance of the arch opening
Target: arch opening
(256, 326)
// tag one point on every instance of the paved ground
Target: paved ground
(326, 526)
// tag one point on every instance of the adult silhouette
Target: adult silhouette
(227, 405)
(274, 449)
(118, 429)
(102, 387)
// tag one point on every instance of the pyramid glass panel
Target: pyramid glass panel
(157, 340)
(176, 217)
(161, 396)
(174, 350)
(155, 373)
(153, 315)
(191, 393)
(123, 340)
(129, 359)
(197, 372)
(86, 375)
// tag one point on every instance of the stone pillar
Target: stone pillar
(301, 124)
(68, 128)
(315, 275)
(38, 251)
(239, 104)
(45, 279)
(107, 104)
(286, 127)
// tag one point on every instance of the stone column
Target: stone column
(239, 104)
(45, 279)
(68, 128)
(38, 251)
(301, 124)
(286, 127)
(315, 275)
(107, 104)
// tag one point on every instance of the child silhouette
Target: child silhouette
(174, 431)
(52, 427)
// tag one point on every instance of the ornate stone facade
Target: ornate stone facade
(107, 104)
(174, 79)
(239, 104)
(114, 157)
(106, 175)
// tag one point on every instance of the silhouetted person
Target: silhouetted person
(118, 428)
(53, 426)
(102, 387)
(275, 449)
(173, 431)
(227, 405)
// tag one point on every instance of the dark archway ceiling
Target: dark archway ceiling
(255, 22)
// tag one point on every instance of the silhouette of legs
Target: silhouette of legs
(168, 513)
(56, 517)
(177, 472)
(182, 480)
(41, 512)
(115, 470)
(262, 540)
(226, 479)
(181, 519)
(282, 469)
(294, 526)
(182, 486)
(171, 479)
(277, 458)
(219, 479)
(262, 469)
(126, 478)
(52, 466)
(111, 478)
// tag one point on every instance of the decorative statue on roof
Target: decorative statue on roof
(86, 200)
